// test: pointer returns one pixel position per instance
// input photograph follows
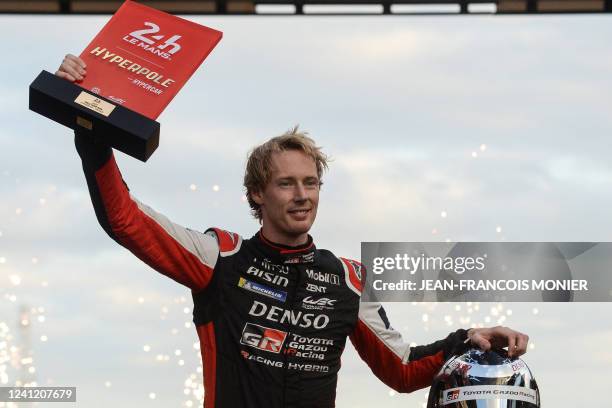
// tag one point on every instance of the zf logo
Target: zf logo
(146, 40)
(263, 338)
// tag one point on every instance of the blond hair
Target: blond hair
(258, 173)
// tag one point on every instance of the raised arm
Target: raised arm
(184, 255)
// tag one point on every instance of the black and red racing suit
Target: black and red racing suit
(272, 320)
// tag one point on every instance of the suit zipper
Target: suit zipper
(284, 349)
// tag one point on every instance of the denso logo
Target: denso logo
(268, 276)
(145, 40)
(263, 338)
(323, 277)
(308, 347)
(279, 315)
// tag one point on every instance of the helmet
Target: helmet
(484, 379)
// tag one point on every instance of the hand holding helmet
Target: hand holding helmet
(499, 337)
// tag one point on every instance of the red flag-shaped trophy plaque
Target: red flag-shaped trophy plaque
(135, 66)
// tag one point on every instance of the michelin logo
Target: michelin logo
(262, 289)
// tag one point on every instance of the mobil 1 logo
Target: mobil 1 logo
(323, 277)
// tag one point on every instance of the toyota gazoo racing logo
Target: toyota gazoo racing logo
(157, 44)
(263, 338)
(489, 392)
(308, 347)
(318, 304)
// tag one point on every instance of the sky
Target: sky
(499, 123)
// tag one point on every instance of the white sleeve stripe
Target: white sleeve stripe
(392, 339)
(202, 246)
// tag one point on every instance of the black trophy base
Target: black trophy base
(106, 121)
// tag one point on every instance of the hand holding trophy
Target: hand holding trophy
(72, 68)
(125, 78)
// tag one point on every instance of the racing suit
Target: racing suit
(272, 320)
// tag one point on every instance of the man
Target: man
(272, 312)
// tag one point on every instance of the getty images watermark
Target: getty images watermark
(486, 271)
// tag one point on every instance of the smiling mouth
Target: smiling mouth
(299, 211)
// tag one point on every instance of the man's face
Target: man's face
(289, 201)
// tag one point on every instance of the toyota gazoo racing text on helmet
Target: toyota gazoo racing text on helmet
(484, 379)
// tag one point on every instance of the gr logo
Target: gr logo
(263, 338)
(453, 395)
(153, 43)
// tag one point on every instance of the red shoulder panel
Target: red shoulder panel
(356, 273)
(228, 241)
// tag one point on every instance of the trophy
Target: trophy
(136, 65)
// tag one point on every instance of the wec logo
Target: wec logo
(319, 302)
(146, 40)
